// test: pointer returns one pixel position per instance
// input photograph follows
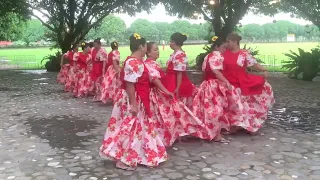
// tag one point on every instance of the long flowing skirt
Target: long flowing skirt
(219, 107)
(256, 107)
(63, 74)
(174, 119)
(209, 105)
(132, 140)
(83, 83)
(71, 79)
(110, 85)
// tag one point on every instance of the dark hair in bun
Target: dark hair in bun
(114, 45)
(234, 37)
(98, 41)
(136, 41)
(216, 41)
(178, 38)
(91, 44)
(84, 45)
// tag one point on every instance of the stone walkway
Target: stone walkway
(46, 134)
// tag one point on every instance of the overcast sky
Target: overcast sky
(159, 14)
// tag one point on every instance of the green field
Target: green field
(31, 58)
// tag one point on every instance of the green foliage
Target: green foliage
(223, 15)
(307, 9)
(303, 63)
(70, 21)
(18, 7)
(33, 32)
(111, 29)
(11, 27)
(52, 62)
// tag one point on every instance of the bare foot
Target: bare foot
(123, 166)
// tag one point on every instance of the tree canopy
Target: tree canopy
(224, 15)
(71, 20)
(307, 9)
(11, 27)
(18, 7)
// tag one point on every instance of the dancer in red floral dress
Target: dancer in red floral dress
(71, 77)
(174, 119)
(256, 93)
(99, 57)
(111, 79)
(176, 79)
(131, 137)
(62, 77)
(83, 77)
(216, 94)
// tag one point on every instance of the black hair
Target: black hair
(98, 41)
(91, 44)
(149, 46)
(135, 41)
(178, 38)
(114, 45)
(84, 45)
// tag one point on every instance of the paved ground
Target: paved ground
(46, 134)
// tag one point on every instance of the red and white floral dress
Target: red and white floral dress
(83, 78)
(71, 77)
(111, 79)
(173, 118)
(214, 103)
(178, 62)
(64, 71)
(99, 57)
(133, 140)
(256, 93)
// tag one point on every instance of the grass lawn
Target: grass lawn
(31, 58)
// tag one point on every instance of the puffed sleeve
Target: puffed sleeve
(180, 61)
(133, 69)
(250, 59)
(216, 61)
(102, 55)
(153, 68)
(116, 56)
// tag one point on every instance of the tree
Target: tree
(144, 27)
(11, 27)
(70, 20)
(112, 28)
(307, 9)
(253, 32)
(224, 15)
(33, 32)
(18, 7)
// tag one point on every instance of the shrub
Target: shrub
(52, 62)
(304, 64)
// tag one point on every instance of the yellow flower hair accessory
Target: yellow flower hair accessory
(136, 36)
(115, 43)
(185, 35)
(83, 44)
(214, 38)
